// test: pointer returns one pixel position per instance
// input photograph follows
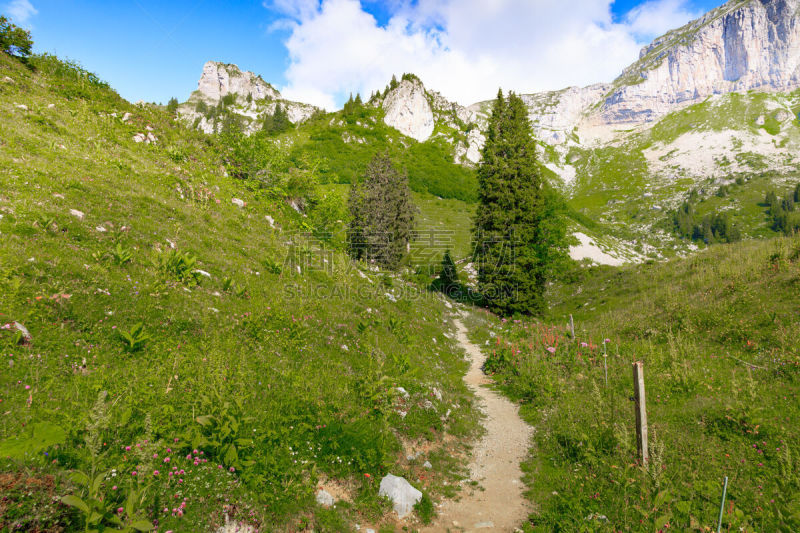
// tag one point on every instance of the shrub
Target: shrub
(178, 265)
(15, 41)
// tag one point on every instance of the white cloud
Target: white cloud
(465, 49)
(658, 17)
(20, 11)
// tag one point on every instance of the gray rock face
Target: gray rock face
(408, 111)
(402, 495)
(219, 79)
(740, 46)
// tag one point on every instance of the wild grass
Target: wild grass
(233, 375)
(718, 335)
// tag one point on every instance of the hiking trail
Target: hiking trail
(497, 502)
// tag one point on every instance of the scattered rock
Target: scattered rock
(232, 526)
(402, 391)
(101, 229)
(761, 120)
(58, 195)
(8, 80)
(77, 214)
(270, 221)
(50, 106)
(25, 337)
(484, 525)
(325, 499)
(402, 495)
(22, 106)
(151, 138)
(202, 273)
(126, 117)
(139, 138)
(238, 202)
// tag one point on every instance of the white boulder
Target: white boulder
(402, 495)
(408, 111)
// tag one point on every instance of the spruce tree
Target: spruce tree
(172, 106)
(519, 234)
(382, 214)
(448, 281)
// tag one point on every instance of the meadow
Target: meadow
(179, 349)
(718, 336)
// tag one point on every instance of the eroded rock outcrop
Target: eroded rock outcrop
(254, 99)
(408, 110)
(741, 46)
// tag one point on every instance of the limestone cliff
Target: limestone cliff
(253, 98)
(740, 46)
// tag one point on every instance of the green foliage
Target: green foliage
(276, 122)
(712, 228)
(172, 106)
(782, 211)
(176, 265)
(381, 214)
(425, 509)
(255, 158)
(711, 364)
(42, 436)
(14, 40)
(135, 339)
(345, 144)
(282, 351)
(519, 234)
(121, 254)
(224, 429)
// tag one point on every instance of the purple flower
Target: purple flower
(551, 349)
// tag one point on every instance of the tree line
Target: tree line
(519, 233)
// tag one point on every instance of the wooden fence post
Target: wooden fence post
(641, 411)
(571, 327)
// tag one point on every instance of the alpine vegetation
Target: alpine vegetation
(519, 236)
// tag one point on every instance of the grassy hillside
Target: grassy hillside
(718, 334)
(344, 144)
(190, 359)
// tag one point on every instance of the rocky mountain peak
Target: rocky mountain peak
(743, 45)
(408, 109)
(254, 99)
(221, 79)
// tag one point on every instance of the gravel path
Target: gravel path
(497, 503)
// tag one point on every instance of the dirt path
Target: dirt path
(497, 503)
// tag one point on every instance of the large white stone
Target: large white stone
(408, 111)
(402, 495)
(219, 79)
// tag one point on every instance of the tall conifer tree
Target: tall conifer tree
(382, 214)
(519, 235)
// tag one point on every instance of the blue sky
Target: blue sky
(152, 50)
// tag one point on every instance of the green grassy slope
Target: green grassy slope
(281, 380)
(718, 334)
(344, 144)
(629, 189)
